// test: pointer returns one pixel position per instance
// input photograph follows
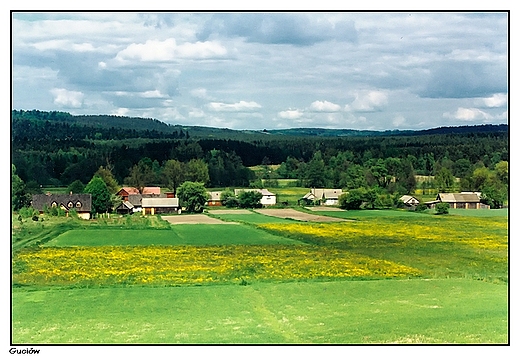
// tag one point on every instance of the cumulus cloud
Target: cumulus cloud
(468, 114)
(240, 106)
(290, 114)
(495, 101)
(67, 98)
(196, 113)
(371, 100)
(167, 50)
(324, 106)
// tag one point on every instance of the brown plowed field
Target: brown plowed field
(194, 219)
(297, 215)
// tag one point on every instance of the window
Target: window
(78, 204)
(70, 204)
(54, 204)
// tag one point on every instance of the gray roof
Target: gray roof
(135, 199)
(323, 193)
(459, 197)
(80, 202)
(160, 202)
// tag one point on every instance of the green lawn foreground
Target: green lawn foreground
(444, 311)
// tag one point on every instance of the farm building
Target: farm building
(325, 196)
(464, 200)
(126, 192)
(409, 201)
(215, 199)
(268, 198)
(82, 203)
(154, 206)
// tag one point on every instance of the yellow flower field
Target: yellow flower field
(174, 265)
(475, 232)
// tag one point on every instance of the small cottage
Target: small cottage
(215, 199)
(268, 198)
(81, 203)
(325, 196)
(409, 201)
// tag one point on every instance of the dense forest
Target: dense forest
(57, 149)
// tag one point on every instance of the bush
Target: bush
(421, 207)
(442, 208)
(27, 212)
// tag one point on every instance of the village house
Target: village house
(215, 199)
(152, 206)
(409, 201)
(81, 203)
(268, 198)
(463, 200)
(325, 196)
(132, 200)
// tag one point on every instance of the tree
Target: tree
(101, 198)
(108, 178)
(141, 174)
(352, 200)
(250, 199)
(76, 187)
(197, 171)
(173, 174)
(442, 208)
(193, 196)
(444, 180)
(19, 197)
(315, 174)
(228, 198)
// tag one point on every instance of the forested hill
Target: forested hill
(55, 124)
(348, 132)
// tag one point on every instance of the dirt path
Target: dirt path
(194, 219)
(297, 215)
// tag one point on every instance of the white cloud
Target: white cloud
(468, 114)
(324, 106)
(196, 113)
(368, 100)
(290, 114)
(201, 93)
(167, 50)
(152, 94)
(240, 106)
(67, 98)
(495, 101)
(120, 112)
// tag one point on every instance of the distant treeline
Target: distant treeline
(55, 148)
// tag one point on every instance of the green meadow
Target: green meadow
(451, 287)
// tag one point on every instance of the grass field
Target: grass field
(385, 277)
(387, 311)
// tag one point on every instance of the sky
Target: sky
(266, 70)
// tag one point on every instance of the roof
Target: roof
(128, 190)
(68, 201)
(125, 204)
(459, 197)
(264, 192)
(135, 199)
(160, 202)
(152, 190)
(323, 193)
(408, 199)
(135, 191)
